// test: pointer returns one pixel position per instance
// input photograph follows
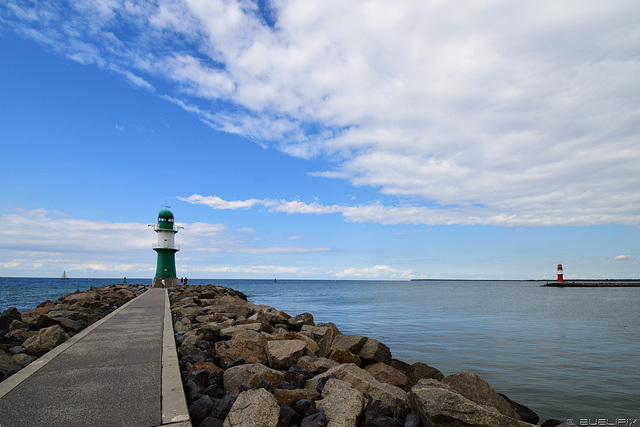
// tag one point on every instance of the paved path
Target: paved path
(121, 371)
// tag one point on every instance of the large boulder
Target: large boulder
(46, 339)
(308, 341)
(230, 331)
(290, 397)
(7, 362)
(352, 343)
(474, 388)
(189, 344)
(437, 404)
(342, 355)
(284, 353)
(374, 351)
(246, 344)
(231, 306)
(419, 371)
(387, 374)
(324, 334)
(341, 403)
(305, 318)
(7, 317)
(251, 375)
(364, 382)
(316, 365)
(254, 408)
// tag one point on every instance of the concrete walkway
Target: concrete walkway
(121, 371)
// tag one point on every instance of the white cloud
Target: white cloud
(494, 112)
(624, 258)
(216, 202)
(375, 272)
(377, 212)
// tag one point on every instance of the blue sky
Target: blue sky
(321, 139)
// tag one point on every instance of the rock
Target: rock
(17, 324)
(476, 389)
(288, 416)
(296, 376)
(7, 317)
(68, 325)
(230, 331)
(400, 365)
(233, 306)
(290, 397)
(420, 370)
(182, 325)
(441, 406)
(222, 406)
(7, 362)
(374, 351)
(341, 403)
(413, 420)
(316, 365)
(352, 343)
(251, 375)
(316, 420)
(309, 342)
(344, 356)
(190, 343)
(200, 378)
(364, 382)
(46, 339)
(210, 367)
(281, 354)
(377, 414)
(552, 423)
(200, 409)
(191, 391)
(305, 318)
(525, 413)
(254, 408)
(326, 341)
(306, 407)
(387, 374)
(247, 345)
(211, 421)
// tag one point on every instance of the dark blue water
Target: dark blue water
(566, 353)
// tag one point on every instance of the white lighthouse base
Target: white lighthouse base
(169, 282)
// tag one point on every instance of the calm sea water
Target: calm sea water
(566, 353)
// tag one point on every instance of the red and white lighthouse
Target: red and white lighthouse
(560, 273)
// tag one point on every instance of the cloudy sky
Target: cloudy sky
(321, 139)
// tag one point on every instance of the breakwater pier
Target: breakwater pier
(205, 355)
(121, 370)
(594, 284)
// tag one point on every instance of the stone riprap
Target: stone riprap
(25, 336)
(252, 365)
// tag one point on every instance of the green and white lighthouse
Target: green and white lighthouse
(166, 249)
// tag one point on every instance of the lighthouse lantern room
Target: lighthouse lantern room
(166, 249)
(560, 273)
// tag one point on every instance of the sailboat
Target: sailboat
(64, 276)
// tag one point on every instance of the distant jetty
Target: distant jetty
(595, 284)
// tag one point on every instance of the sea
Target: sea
(567, 353)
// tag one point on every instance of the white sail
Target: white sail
(64, 275)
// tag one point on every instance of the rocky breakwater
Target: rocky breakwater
(25, 336)
(252, 365)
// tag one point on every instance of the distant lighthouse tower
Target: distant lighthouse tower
(166, 249)
(560, 273)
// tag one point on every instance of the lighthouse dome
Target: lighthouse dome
(165, 214)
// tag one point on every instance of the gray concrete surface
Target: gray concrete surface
(122, 371)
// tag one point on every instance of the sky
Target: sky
(321, 139)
